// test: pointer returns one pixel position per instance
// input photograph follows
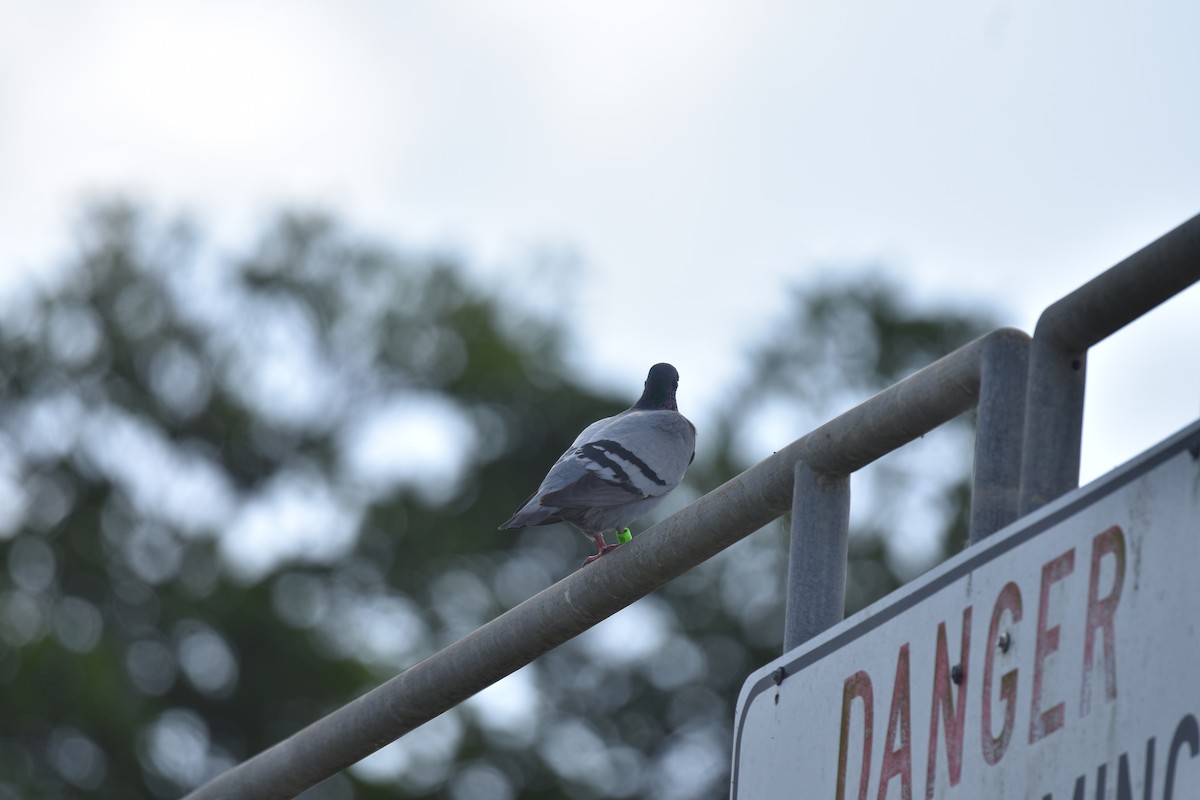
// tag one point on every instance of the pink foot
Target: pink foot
(605, 549)
(604, 546)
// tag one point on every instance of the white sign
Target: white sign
(1059, 660)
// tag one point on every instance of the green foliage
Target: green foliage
(236, 492)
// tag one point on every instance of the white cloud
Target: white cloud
(699, 156)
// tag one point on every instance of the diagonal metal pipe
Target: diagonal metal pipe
(895, 416)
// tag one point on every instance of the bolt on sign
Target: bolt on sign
(1058, 660)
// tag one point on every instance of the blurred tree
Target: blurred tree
(237, 492)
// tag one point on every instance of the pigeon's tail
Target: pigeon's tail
(531, 514)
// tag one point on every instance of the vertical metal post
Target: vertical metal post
(816, 586)
(1003, 368)
(1054, 425)
(1058, 357)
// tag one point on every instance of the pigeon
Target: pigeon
(617, 469)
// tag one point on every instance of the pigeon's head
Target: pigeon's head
(661, 384)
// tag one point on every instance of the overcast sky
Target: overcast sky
(692, 159)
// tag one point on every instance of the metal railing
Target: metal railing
(1058, 358)
(810, 477)
(990, 372)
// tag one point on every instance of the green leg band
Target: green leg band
(624, 536)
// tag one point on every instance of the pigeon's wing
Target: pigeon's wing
(593, 431)
(638, 454)
(563, 473)
(590, 491)
(615, 462)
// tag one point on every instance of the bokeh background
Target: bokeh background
(299, 300)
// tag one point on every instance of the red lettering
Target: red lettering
(1009, 600)
(1100, 615)
(1044, 723)
(898, 760)
(952, 712)
(857, 686)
